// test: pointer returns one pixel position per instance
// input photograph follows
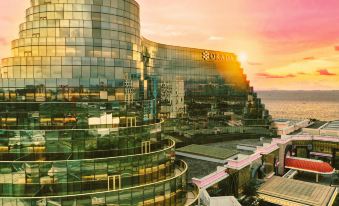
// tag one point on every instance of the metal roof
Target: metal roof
(283, 191)
(317, 125)
(332, 125)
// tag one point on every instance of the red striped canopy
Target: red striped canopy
(309, 165)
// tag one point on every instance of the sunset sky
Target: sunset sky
(289, 44)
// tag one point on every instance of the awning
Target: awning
(309, 165)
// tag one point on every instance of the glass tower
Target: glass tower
(84, 100)
(79, 123)
(203, 89)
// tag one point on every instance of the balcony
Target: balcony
(171, 191)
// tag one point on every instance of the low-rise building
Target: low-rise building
(299, 155)
(323, 128)
(284, 191)
(285, 126)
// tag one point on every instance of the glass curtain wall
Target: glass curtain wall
(78, 117)
(203, 88)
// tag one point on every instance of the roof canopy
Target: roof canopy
(309, 165)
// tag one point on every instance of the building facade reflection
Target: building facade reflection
(83, 101)
(206, 88)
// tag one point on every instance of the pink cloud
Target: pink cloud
(325, 72)
(292, 26)
(274, 76)
(3, 41)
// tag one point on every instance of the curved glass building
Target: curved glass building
(78, 117)
(83, 100)
(202, 88)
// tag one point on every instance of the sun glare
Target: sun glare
(243, 57)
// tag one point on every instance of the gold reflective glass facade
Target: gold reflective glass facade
(83, 101)
(78, 118)
(202, 88)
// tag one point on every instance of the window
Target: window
(28, 53)
(114, 182)
(146, 147)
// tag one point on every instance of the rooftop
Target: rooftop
(232, 145)
(208, 151)
(332, 125)
(280, 190)
(281, 120)
(317, 125)
(199, 168)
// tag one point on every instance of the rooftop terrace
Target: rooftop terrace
(208, 151)
(317, 125)
(332, 125)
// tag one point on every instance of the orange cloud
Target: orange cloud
(309, 58)
(301, 73)
(274, 76)
(254, 63)
(325, 72)
(295, 40)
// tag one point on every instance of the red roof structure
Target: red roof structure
(309, 165)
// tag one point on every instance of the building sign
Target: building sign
(209, 56)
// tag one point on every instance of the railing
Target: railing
(56, 174)
(290, 174)
(288, 138)
(267, 149)
(110, 197)
(171, 145)
(264, 150)
(193, 195)
(37, 155)
(10, 124)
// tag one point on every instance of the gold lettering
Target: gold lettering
(206, 55)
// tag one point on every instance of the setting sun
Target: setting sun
(157, 102)
(243, 57)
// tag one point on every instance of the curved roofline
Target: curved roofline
(182, 47)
